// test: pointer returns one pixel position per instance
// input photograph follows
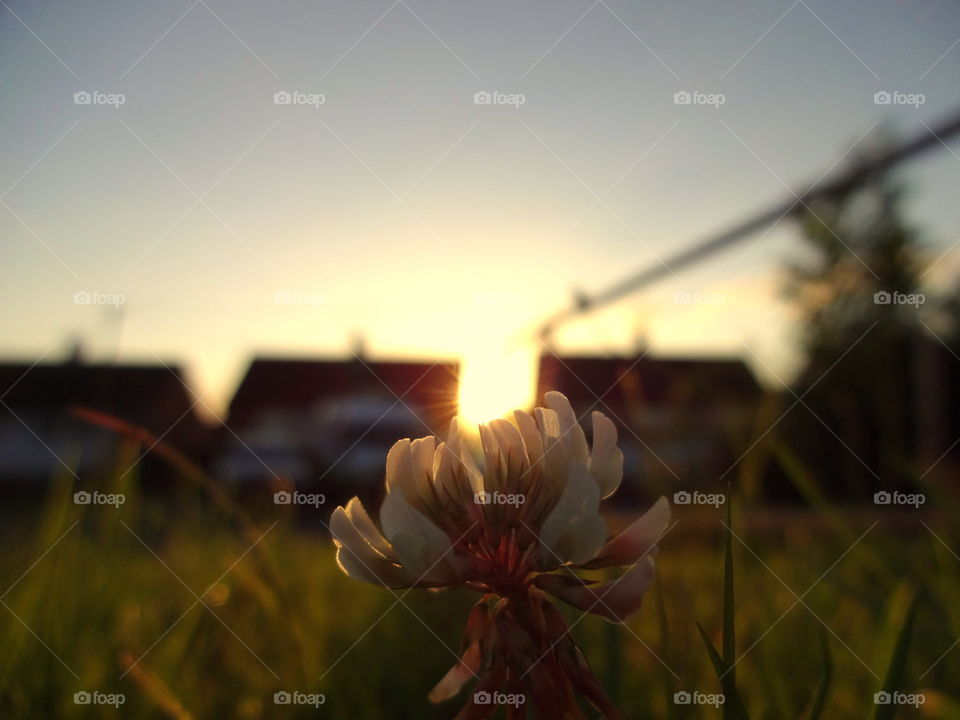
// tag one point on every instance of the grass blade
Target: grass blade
(733, 706)
(668, 684)
(823, 689)
(895, 676)
(724, 666)
(729, 678)
(715, 658)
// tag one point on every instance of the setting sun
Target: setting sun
(494, 383)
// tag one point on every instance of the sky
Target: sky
(387, 200)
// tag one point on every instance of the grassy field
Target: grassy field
(189, 612)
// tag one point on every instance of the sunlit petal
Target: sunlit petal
(638, 539)
(606, 460)
(616, 601)
(574, 529)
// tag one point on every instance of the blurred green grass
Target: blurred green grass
(119, 586)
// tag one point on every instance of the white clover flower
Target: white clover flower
(510, 516)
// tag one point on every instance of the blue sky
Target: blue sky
(400, 208)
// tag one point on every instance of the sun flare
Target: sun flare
(493, 384)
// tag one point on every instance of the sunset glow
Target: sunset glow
(494, 383)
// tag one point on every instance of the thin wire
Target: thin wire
(929, 137)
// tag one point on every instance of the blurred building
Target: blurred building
(678, 418)
(328, 423)
(39, 435)
(333, 419)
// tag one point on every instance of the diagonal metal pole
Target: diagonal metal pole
(930, 137)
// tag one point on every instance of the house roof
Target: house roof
(298, 384)
(134, 392)
(41, 396)
(641, 381)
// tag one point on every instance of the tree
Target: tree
(857, 291)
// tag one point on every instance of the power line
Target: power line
(842, 183)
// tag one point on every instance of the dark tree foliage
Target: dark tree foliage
(862, 338)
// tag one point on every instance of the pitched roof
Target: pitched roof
(298, 384)
(37, 427)
(141, 393)
(638, 381)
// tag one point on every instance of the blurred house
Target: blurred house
(39, 435)
(678, 418)
(330, 419)
(886, 417)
